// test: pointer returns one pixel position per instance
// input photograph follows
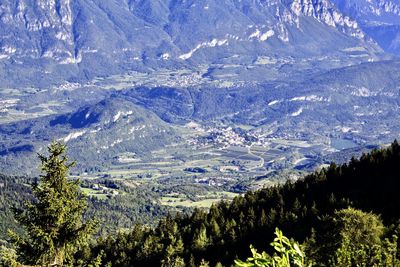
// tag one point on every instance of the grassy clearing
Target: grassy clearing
(205, 201)
(41, 110)
(179, 202)
(94, 193)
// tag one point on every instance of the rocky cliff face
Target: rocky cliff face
(83, 36)
(38, 29)
(370, 10)
(325, 12)
(380, 19)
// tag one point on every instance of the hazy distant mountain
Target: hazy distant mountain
(95, 134)
(359, 103)
(380, 19)
(48, 40)
(288, 68)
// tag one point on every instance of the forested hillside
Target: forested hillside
(342, 216)
(112, 211)
(226, 231)
(13, 193)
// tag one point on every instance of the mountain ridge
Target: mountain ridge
(379, 19)
(101, 131)
(82, 38)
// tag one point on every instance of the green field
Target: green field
(205, 201)
(94, 193)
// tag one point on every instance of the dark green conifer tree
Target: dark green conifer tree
(54, 221)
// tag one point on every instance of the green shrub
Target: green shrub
(287, 253)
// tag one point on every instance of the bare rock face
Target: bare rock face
(380, 19)
(278, 63)
(38, 29)
(112, 36)
(324, 11)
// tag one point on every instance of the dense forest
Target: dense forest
(315, 211)
(225, 232)
(14, 191)
(116, 212)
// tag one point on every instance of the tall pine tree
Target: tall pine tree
(54, 223)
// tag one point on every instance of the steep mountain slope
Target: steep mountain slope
(95, 135)
(271, 65)
(352, 100)
(61, 39)
(380, 19)
(357, 103)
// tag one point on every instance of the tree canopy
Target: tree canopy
(331, 213)
(53, 221)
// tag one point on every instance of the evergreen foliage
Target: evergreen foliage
(14, 192)
(314, 210)
(353, 238)
(54, 224)
(300, 209)
(122, 211)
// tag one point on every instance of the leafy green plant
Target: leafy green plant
(8, 257)
(351, 237)
(288, 253)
